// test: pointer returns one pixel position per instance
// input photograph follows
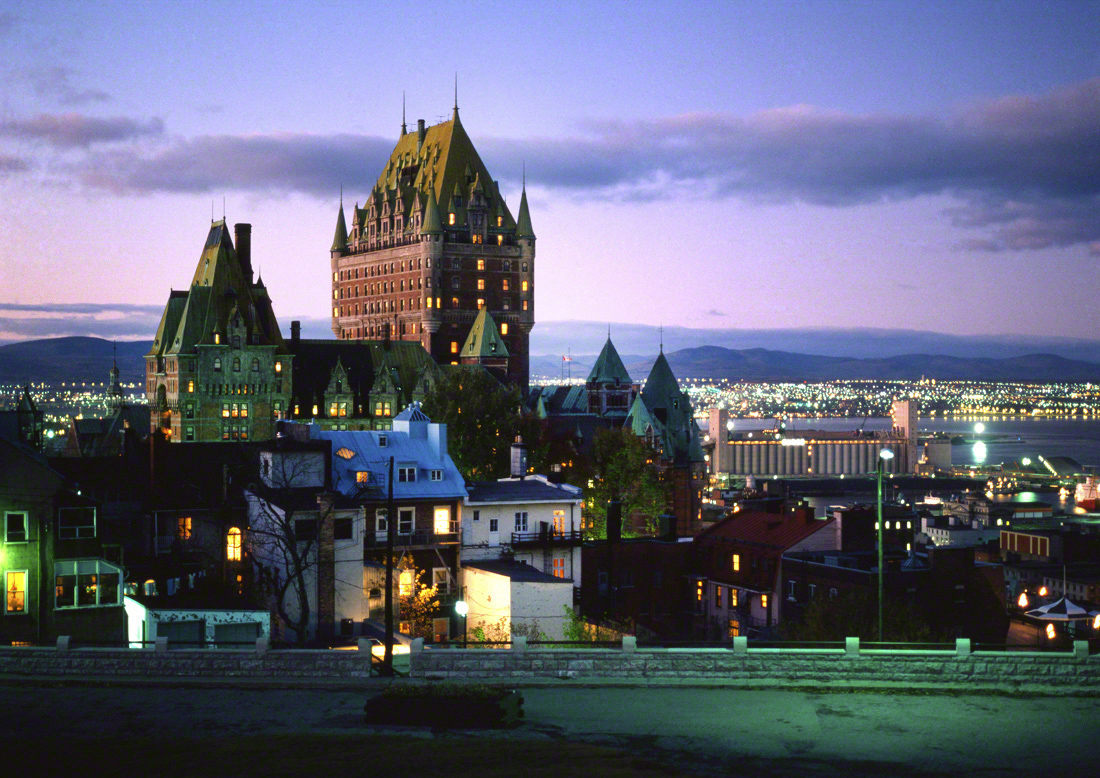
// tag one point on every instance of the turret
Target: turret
(340, 240)
(524, 231)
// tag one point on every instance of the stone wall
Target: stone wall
(190, 663)
(1075, 670)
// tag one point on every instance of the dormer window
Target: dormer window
(437, 475)
(406, 475)
(451, 219)
(381, 441)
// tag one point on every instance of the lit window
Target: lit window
(429, 303)
(278, 367)
(314, 410)
(500, 240)
(480, 303)
(405, 583)
(454, 302)
(717, 596)
(559, 567)
(451, 219)
(362, 476)
(504, 284)
(699, 588)
(87, 583)
(736, 562)
(504, 328)
(763, 601)
(233, 545)
(481, 264)
(733, 598)
(442, 521)
(500, 221)
(525, 305)
(481, 284)
(217, 339)
(523, 286)
(454, 346)
(191, 387)
(15, 587)
(183, 528)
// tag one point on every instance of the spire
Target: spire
(340, 240)
(455, 116)
(432, 224)
(609, 368)
(523, 220)
(403, 129)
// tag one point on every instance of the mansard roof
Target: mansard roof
(484, 339)
(609, 368)
(219, 287)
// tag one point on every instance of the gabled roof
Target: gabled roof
(403, 363)
(774, 532)
(219, 288)
(609, 368)
(484, 340)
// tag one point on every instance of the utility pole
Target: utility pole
(391, 538)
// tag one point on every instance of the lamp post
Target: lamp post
(462, 609)
(883, 456)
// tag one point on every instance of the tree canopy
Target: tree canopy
(624, 470)
(483, 419)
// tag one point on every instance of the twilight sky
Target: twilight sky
(923, 166)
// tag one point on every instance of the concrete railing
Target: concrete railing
(740, 664)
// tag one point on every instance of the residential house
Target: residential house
(59, 577)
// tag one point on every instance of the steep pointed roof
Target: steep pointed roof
(661, 386)
(523, 221)
(218, 288)
(484, 339)
(609, 368)
(444, 162)
(340, 240)
(432, 225)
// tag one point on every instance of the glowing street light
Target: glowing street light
(979, 428)
(462, 609)
(884, 456)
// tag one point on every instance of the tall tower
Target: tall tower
(434, 244)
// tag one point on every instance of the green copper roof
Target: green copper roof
(218, 288)
(661, 388)
(609, 367)
(432, 224)
(445, 164)
(523, 223)
(340, 241)
(484, 340)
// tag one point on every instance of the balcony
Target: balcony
(570, 537)
(376, 540)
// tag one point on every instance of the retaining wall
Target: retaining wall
(189, 663)
(1068, 671)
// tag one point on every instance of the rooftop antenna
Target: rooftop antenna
(662, 330)
(341, 197)
(456, 90)
(211, 211)
(403, 129)
(223, 207)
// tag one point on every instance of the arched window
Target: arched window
(233, 545)
(255, 365)
(217, 364)
(236, 364)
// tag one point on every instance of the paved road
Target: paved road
(713, 730)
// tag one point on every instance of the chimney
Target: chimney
(244, 249)
(519, 458)
(295, 332)
(420, 132)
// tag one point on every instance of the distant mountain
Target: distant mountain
(89, 359)
(72, 359)
(764, 365)
(554, 338)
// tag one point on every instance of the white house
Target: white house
(508, 597)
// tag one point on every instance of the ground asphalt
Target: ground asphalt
(712, 730)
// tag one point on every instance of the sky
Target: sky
(930, 166)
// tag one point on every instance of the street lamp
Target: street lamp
(461, 608)
(884, 456)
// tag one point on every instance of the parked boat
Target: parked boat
(1087, 495)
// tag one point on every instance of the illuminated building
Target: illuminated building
(433, 244)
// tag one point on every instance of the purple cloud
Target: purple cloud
(74, 130)
(284, 162)
(9, 165)
(55, 81)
